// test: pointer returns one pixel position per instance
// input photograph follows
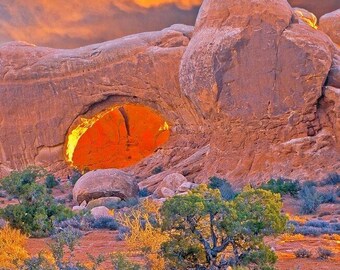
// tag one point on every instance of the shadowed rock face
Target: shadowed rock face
(246, 94)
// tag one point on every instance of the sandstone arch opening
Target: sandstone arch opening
(116, 138)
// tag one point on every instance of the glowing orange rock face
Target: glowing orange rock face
(116, 138)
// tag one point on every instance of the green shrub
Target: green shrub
(263, 257)
(282, 186)
(310, 199)
(223, 186)
(37, 210)
(51, 181)
(120, 262)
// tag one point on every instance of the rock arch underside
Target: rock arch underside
(251, 92)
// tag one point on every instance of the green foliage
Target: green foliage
(17, 183)
(262, 256)
(310, 199)
(183, 252)
(51, 181)
(119, 262)
(202, 222)
(282, 186)
(36, 211)
(223, 186)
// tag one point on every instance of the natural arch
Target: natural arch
(116, 138)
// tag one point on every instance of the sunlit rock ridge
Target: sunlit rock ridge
(251, 92)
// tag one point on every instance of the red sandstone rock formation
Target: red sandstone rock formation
(330, 24)
(247, 95)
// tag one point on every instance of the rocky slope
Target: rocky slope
(250, 92)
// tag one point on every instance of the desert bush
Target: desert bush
(43, 261)
(324, 253)
(306, 230)
(324, 214)
(282, 186)
(310, 199)
(157, 170)
(316, 228)
(36, 211)
(131, 202)
(332, 179)
(262, 256)
(123, 233)
(120, 262)
(309, 183)
(302, 253)
(105, 223)
(3, 194)
(335, 227)
(82, 221)
(12, 248)
(317, 223)
(69, 238)
(204, 220)
(328, 197)
(145, 236)
(223, 186)
(51, 181)
(144, 193)
(74, 177)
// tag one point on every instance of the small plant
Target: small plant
(310, 199)
(51, 181)
(82, 221)
(223, 186)
(317, 223)
(105, 223)
(3, 194)
(282, 186)
(122, 204)
(123, 233)
(120, 262)
(144, 193)
(328, 197)
(96, 261)
(302, 253)
(74, 177)
(324, 253)
(306, 230)
(326, 213)
(157, 170)
(68, 237)
(332, 179)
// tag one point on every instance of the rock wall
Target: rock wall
(251, 92)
